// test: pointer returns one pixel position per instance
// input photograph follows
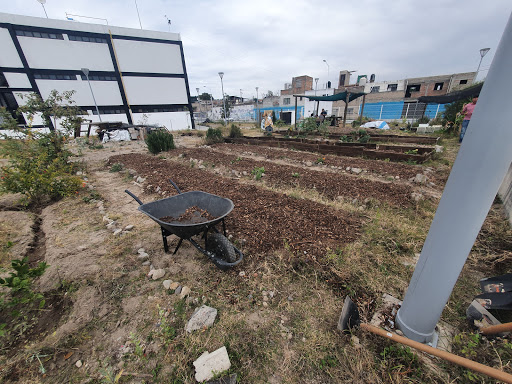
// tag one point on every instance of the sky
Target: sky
(265, 43)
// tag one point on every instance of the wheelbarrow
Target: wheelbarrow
(216, 246)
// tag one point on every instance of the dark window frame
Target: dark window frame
(39, 35)
(462, 82)
(438, 86)
(86, 39)
(392, 87)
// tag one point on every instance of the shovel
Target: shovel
(349, 319)
(497, 284)
(501, 300)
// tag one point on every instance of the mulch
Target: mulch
(264, 220)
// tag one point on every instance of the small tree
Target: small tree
(56, 106)
(205, 96)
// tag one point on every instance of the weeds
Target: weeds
(258, 172)
(214, 135)
(160, 141)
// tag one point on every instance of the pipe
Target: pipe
(481, 165)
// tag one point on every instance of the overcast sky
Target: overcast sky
(265, 43)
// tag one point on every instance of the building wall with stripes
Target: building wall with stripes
(132, 72)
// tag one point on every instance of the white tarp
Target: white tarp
(376, 124)
(117, 135)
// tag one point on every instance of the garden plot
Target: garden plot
(262, 220)
(333, 185)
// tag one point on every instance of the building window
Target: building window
(350, 111)
(44, 76)
(298, 83)
(286, 101)
(463, 82)
(100, 78)
(160, 108)
(108, 111)
(3, 81)
(392, 87)
(87, 39)
(375, 89)
(41, 35)
(438, 86)
(415, 88)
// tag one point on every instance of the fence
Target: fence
(398, 110)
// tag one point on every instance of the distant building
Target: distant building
(299, 85)
(133, 72)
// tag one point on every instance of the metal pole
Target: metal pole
(138, 13)
(257, 108)
(221, 74)
(86, 73)
(479, 169)
(295, 112)
(380, 114)
(47, 15)
(347, 98)
(362, 109)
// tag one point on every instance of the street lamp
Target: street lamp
(325, 61)
(316, 84)
(42, 3)
(86, 73)
(221, 75)
(257, 107)
(483, 52)
(198, 102)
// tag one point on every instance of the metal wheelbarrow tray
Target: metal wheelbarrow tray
(217, 247)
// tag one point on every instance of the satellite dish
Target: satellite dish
(42, 1)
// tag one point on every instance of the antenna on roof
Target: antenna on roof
(168, 22)
(42, 3)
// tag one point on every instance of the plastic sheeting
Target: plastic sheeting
(117, 135)
(376, 124)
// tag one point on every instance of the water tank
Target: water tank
(372, 78)
(328, 84)
(362, 81)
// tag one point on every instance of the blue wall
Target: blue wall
(390, 110)
(431, 109)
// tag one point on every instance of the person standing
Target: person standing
(467, 111)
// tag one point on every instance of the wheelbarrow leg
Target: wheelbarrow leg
(164, 238)
(178, 246)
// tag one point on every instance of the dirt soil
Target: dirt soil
(311, 233)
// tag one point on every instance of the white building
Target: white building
(310, 106)
(132, 72)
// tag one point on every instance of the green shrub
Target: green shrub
(160, 141)
(38, 167)
(423, 120)
(235, 131)
(214, 135)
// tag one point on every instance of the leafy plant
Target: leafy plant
(236, 160)
(160, 141)
(411, 152)
(214, 135)
(139, 348)
(117, 167)
(39, 166)
(400, 360)
(167, 331)
(258, 172)
(235, 131)
(320, 160)
(296, 174)
(423, 120)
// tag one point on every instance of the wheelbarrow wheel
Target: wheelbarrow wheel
(221, 247)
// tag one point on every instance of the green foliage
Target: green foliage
(39, 166)
(6, 120)
(467, 343)
(451, 117)
(423, 120)
(279, 123)
(359, 122)
(320, 160)
(258, 172)
(411, 152)
(296, 174)
(309, 126)
(56, 106)
(117, 167)
(214, 135)
(235, 131)
(400, 360)
(227, 112)
(160, 141)
(167, 331)
(205, 96)
(21, 296)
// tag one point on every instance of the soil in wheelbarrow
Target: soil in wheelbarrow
(193, 215)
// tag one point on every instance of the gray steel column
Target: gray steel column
(481, 165)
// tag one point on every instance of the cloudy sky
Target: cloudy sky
(265, 43)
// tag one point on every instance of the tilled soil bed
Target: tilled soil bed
(329, 184)
(375, 167)
(264, 220)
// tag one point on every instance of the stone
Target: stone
(241, 274)
(203, 317)
(178, 290)
(420, 179)
(231, 379)
(167, 283)
(347, 169)
(143, 256)
(146, 263)
(309, 164)
(128, 227)
(244, 173)
(397, 177)
(78, 363)
(174, 286)
(111, 225)
(290, 298)
(106, 219)
(185, 291)
(271, 294)
(117, 232)
(356, 171)
(417, 196)
(209, 364)
(439, 148)
(140, 179)
(265, 304)
(156, 274)
(141, 250)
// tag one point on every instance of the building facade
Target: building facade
(135, 75)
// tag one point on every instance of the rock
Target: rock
(78, 363)
(241, 274)
(146, 263)
(309, 164)
(420, 179)
(231, 379)
(140, 179)
(106, 219)
(347, 169)
(439, 148)
(271, 294)
(174, 286)
(201, 166)
(143, 256)
(178, 290)
(357, 171)
(417, 196)
(209, 364)
(397, 177)
(203, 317)
(156, 274)
(158, 189)
(117, 232)
(111, 225)
(290, 298)
(167, 283)
(185, 291)
(128, 227)
(141, 250)
(244, 173)
(265, 304)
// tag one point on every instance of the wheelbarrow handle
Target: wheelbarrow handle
(175, 186)
(134, 197)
